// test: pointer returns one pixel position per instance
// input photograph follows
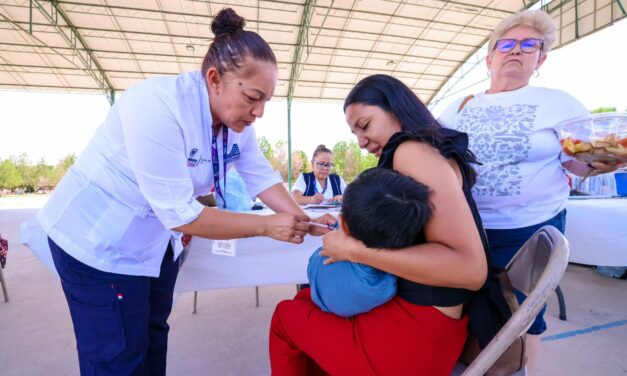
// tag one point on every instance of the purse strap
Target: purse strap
(464, 102)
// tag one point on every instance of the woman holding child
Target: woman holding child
(421, 330)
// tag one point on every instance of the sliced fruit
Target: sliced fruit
(582, 146)
(568, 146)
(617, 151)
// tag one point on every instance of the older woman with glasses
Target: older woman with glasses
(320, 184)
(521, 184)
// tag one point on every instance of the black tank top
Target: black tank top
(454, 145)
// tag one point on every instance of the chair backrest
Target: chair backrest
(535, 270)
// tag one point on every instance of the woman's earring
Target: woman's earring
(536, 73)
(488, 74)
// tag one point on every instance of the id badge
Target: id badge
(224, 247)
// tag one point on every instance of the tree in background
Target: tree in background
(603, 109)
(19, 173)
(10, 177)
(62, 168)
(42, 176)
(349, 160)
(281, 159)
(300, 163)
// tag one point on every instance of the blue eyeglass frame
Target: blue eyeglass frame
(537, 44)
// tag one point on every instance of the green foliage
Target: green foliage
(10, 177)
(603, 109)
(348, 159)
(19, 173)
(62, 167)
(368, 161)
(340, 151)
(266, 148)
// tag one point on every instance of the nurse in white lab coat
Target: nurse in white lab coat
(115, 220)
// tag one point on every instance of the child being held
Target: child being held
(383, 209)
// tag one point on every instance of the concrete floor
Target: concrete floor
(228, 335)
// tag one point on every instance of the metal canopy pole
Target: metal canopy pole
(289, 142)
(305, 21)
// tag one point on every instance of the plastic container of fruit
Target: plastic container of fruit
(596, 138)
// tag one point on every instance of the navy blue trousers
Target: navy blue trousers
(120, 321)
(505, 243)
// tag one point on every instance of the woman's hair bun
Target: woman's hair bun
(321, 146)
(227, 22)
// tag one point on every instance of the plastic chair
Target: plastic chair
(536, 271)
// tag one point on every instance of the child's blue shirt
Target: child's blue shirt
(346, 288)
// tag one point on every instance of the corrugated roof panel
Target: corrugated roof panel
(423, 42)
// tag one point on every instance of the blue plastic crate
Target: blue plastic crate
(621, 183)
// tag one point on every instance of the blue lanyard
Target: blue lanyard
(324, 189)
(215, 162)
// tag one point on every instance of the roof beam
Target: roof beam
(326, 8)
(77, 43)
(305, 21)
(311, 47)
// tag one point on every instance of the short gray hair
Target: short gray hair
(536, 19)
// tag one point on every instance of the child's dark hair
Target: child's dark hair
(385, 209)
(232, 44)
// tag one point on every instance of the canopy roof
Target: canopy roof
(323, 46)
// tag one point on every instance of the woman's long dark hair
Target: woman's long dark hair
(393, 96)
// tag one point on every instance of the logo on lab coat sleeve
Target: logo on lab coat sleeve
(191, 161)
(195, 159)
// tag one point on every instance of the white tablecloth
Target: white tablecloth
(258, 261)
(597, 231)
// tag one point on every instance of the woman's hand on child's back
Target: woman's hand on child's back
(339, 246)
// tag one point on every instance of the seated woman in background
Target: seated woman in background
(383, 209)
(320, 184)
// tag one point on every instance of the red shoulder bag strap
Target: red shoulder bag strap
(464, 102)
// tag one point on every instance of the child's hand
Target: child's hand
(326, 219)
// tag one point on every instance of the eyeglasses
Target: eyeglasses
(528, 45)
(325, 165)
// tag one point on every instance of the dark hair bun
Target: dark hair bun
(227, 22)
(321, 147)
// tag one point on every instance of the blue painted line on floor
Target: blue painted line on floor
(591, 329)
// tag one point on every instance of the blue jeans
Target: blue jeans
(120, 321)
(505, 243)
